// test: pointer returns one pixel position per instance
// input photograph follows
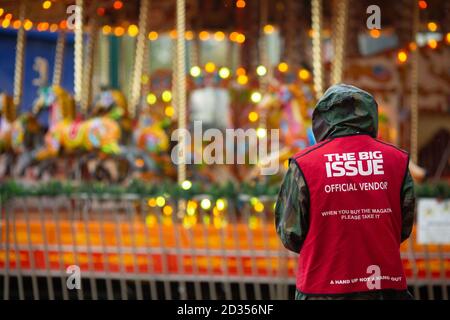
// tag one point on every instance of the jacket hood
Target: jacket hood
(345, 110)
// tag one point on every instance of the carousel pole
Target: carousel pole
(59, 58)
(339, 44)
(415, 88)
(180, 93)
(20, 53)
(264, 59)
(141, 44)
(88, 68)
(316, 14)
(78, 48)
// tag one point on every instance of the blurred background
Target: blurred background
(91, 92)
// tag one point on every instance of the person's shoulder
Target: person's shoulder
(310, 150)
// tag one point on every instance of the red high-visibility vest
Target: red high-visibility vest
(354, 236)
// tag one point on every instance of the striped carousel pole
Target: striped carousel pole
(141, 44)
(316, 13)
(415, 88)
(339, 42)
(78, 48)
(20, 54)
(59, 58)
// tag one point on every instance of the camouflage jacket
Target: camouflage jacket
(339, 112)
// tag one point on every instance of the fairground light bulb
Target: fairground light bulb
(205, 204)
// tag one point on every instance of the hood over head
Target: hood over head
(345, 110)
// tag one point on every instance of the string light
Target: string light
(220, 204)
(166, 96)
(151, 98)
(119, 31)
(153, 35)
(242, 79)
(169, 111)
(101, 11)
(423, 4)
(261, 71)
(173, 34)
(27, 25)
(447, 37)
(167, 210)
(186, 185)
(1, 11)
(375, 33)
(402, 56)
(432, 43)
(205, 204)
(160, 201)
(117, 5)
(219, 36)
(189, 35)
(195, 71)
(203, 35)
(240, 71)
(151, 202)
(224, 73)
(268, 29)
(46, 4)
(233, 36)
(259, 207)
(283, 67)
(210, 67)
(240, 38)
(253, 116)
(16, 24)
(53, 27)
(240, 4)
(261, 132)
(304, 74)
(5, 23)
(432, 26)
(133, 30)
(256, 97)
(106, 29)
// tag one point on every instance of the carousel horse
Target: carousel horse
(7, 117)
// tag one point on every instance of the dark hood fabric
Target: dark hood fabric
(345, 110)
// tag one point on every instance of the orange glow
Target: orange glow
(16, 24)
(153, 35)
(240, 4)
(139, 163)
(304, 74)
(240, 71)
(432, 26)
(27, 25)
(447, 37)
(173, 34)
(233, 35)
(101, 11)
(412, 46)
(375, 33)
(402, 56)
(53, 27)
(63, 24)
(432, 44)
(268, 29)
(44, 26)
(46, 4)
(117, 5)
(8, 16)
(204, 35)
(423, 4)
(119, 31)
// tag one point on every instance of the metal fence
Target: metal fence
(138, 248)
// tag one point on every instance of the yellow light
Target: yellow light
(210, 67)
(191, 207)
(46, 4)
(402, 56)
(286, 163)
(432, 43)
(259, 207)
(240, 38)
(1, 11)
(186, 185)
(173, 34)
(242, 79)
(133, 30)
(151, 220)
(151, 202)
(5, 23)
(253, 116)
(261, 132)
(106, 29)
(253, 201)
(189, 35)
(256, 97)
(432, 26)
(219, 36)
(261, 71)
(304, 74)
(240, 4)
(224, 72)
(447, 37)
(152, 35)
(119, 31)
(169, 111)
(27, 25)
(220, 204)
(144, 79)
(151, 98)
(160, 201)
(190, 211)
(375, 33)
(166, 96)
(195, 71)
(167, 210)
(240, 71)
(268, 29)
(203, 35)
(205, 204)
(283, 67)
(8, 16)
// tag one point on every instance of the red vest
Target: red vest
(353, 241)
